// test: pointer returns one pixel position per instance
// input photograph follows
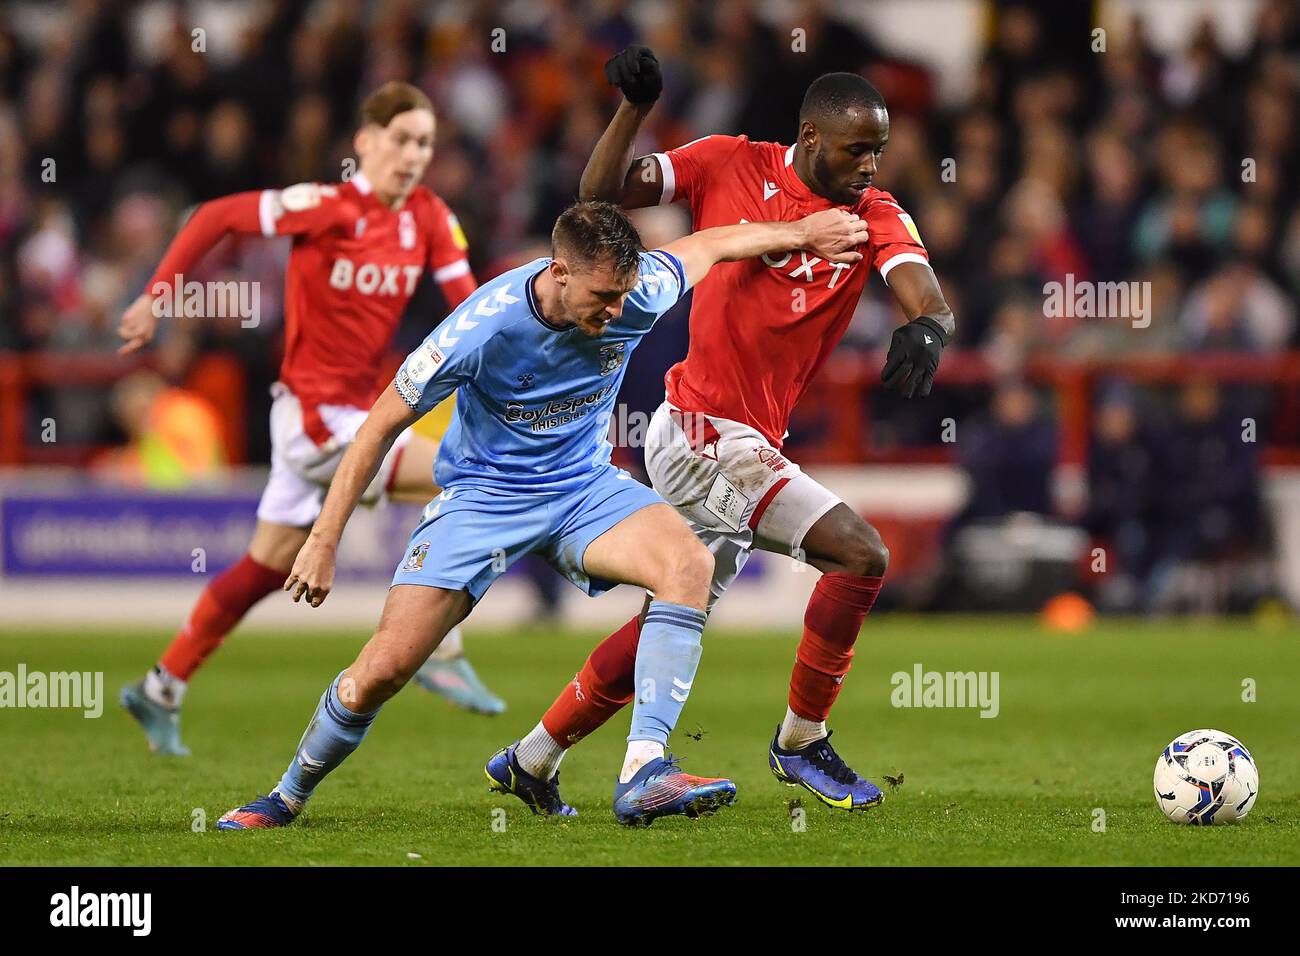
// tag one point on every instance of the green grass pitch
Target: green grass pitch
(1081, 722)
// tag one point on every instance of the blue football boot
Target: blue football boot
(542, 796)
(457, 681)
(162, 725)
(661, 789)
(264, 813)
(820, 770)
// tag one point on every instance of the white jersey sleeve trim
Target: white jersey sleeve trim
(453, 271)
(669, 178)
(888, 264)
(675, 265)
(268, 211)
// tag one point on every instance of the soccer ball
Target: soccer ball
(1206, 777)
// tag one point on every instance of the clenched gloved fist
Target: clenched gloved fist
(635, 71)
(914, 356)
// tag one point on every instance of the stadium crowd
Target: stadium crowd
(1122, 165)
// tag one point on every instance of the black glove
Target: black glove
(635, 71)
(914, 356)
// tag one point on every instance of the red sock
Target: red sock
(226, 599)
(600, 690)
(835, 613)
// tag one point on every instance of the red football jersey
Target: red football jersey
(760, 329)
(353, 267)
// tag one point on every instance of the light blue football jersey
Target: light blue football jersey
(533, 401)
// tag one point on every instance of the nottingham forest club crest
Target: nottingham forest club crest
(611, 357)
(406, 234)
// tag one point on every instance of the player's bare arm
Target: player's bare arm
(917, 290)
(138, 324)
(237, 214)
(611, 173)
(833, 234)
(313, 570)
(915, 348)
(210, 223)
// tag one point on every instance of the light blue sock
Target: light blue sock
(334, 732)
(666, 658)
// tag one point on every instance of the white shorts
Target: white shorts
(735, 490)
(301, 470)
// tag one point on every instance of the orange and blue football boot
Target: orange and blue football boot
(505, 775)
(661, 789)
(823, 773)
(264, 813)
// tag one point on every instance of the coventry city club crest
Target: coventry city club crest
(611, 357)
(415, 560)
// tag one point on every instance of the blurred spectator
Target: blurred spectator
(1190, 218)
(173, 436)
(1239, 308)
(1106, 221)
(1008, 455)
(1209, 513)
(1123, 492)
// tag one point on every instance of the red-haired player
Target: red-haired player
(359, 249)
(759, 332)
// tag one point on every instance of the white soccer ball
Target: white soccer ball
(1206, 777)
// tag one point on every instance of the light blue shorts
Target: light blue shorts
(469, 536)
